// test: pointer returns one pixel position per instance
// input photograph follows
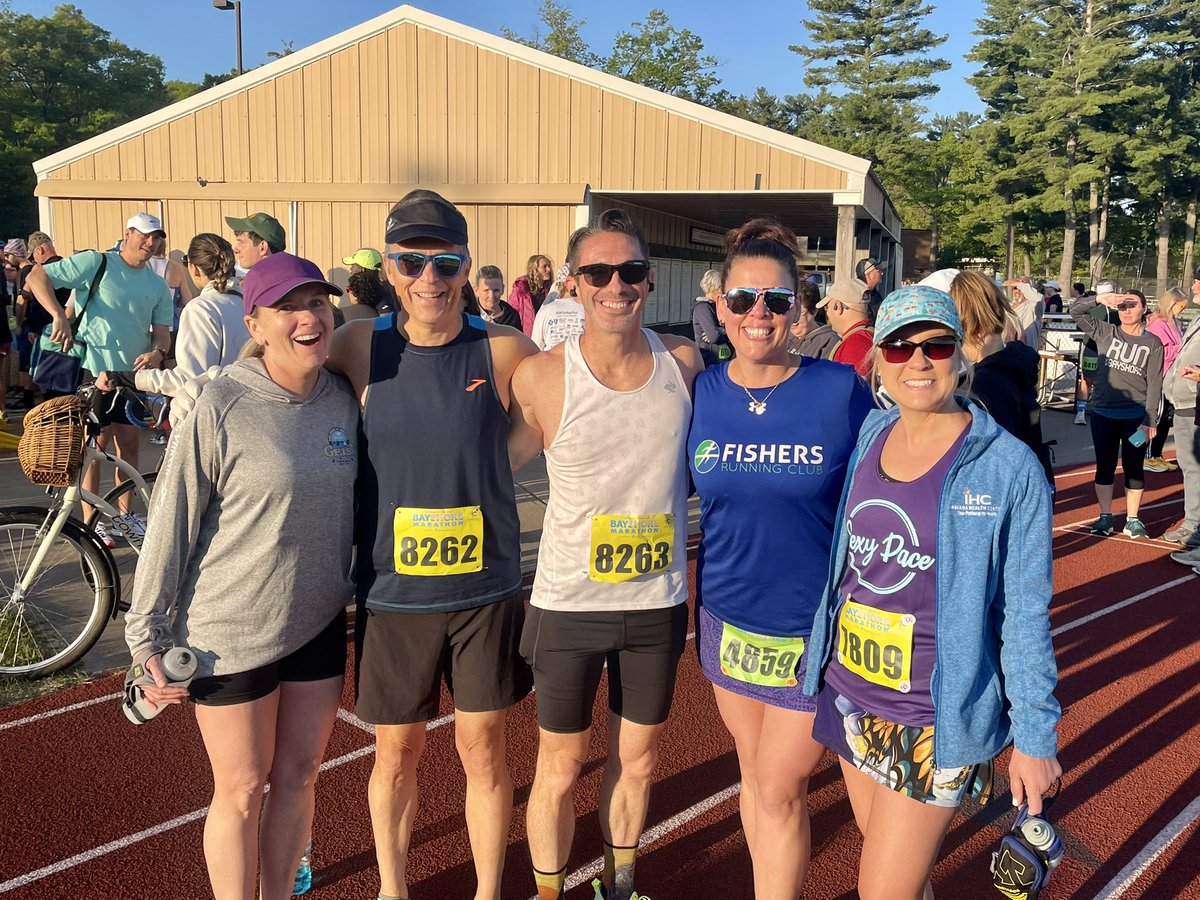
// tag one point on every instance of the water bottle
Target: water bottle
(303, 883)
(1041, 835)
(178, 665)
(130, 527)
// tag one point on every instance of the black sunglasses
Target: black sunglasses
(933, 348)
(741, 300)
(600, 274)
(1128, 304)
(411, 264)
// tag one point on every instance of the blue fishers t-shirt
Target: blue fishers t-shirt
(769, 487)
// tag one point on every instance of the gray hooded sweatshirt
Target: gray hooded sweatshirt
(248, 552)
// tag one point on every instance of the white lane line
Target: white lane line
(590, 870)
(351, 719)
(1145, 858)
(58, 712)
(122, 843)
(1073, 525)
(1091, 617)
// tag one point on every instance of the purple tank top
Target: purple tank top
(886, 639)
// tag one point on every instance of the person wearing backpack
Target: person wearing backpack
(1005, 374)
(122, 320)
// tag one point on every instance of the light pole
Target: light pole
(236, 6)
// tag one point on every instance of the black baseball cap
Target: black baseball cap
(426, 214)
(866, 265)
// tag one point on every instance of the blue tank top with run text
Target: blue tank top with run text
(769, 487)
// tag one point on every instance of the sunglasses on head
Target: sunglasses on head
(741, 300)
(411, 264)
(933, 348)
(600, 274)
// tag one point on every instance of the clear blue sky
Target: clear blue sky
(750, 39)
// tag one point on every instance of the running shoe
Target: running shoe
(105, 538)
(1187, 557)
(1080, 419)
(1181, 534)
(1157, 464)
(1103, 525)
(1135, 529)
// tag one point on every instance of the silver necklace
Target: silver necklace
(758, 407)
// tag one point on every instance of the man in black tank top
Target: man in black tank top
(611, 409)
(438, 540)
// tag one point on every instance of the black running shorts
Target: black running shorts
(568, 650)
(322, 657)
(403, 657)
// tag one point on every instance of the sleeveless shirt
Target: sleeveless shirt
(438, 527)
(615, 532)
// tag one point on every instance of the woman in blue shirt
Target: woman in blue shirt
(769, 444)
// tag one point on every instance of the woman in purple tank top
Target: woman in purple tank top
(912, 650)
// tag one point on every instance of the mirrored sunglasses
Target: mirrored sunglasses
(411, 264)
(741, 300)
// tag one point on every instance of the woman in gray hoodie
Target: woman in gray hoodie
(247, 562)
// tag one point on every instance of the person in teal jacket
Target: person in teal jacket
(933, 636)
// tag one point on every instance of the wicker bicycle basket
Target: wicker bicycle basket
(51, 449)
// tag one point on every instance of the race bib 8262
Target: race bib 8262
(438, 541)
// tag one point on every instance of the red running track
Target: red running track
(95, 808)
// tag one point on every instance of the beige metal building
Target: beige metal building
(528, 146)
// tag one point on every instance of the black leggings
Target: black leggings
(1111, 436)
(1165, 421)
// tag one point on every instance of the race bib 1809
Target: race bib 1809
(876, 644)
(628, 547)
(438, 541)
(758, 659)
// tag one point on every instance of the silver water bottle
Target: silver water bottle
(178, 666)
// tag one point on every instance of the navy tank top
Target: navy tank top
(438, 528)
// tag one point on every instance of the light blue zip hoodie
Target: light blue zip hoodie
(993, 681)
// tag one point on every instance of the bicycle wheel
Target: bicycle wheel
(126, 552)
(66, 607)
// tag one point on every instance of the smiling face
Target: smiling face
(138, 247)
(614, 307)
(430, 299)
(294, 333)
(759, 335)
(921, 384)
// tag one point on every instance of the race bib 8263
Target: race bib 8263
(628, 547)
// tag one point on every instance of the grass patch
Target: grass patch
(15, 689)
(18, 690)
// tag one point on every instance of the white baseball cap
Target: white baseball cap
(146, 224)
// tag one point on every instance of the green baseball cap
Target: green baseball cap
(266, 227)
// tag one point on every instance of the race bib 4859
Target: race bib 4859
(876, 644)
(438, 541)
(758, 659)
(628, 547)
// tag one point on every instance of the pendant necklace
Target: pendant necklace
(756, 406)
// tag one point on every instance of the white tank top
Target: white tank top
(615, 532)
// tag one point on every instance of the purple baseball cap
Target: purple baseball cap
(271, 278)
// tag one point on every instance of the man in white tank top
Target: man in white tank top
(611, 409)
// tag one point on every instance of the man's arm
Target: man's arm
(687, 354)
(525, 436)
(350, 354)
(38, 283)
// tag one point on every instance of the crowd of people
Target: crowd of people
(874, 570)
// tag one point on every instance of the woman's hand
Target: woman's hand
(162, 692)
(103, 384)
(1150, 430)
(1191, 373)
(1030, 779)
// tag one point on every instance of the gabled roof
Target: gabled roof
(853, 165)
